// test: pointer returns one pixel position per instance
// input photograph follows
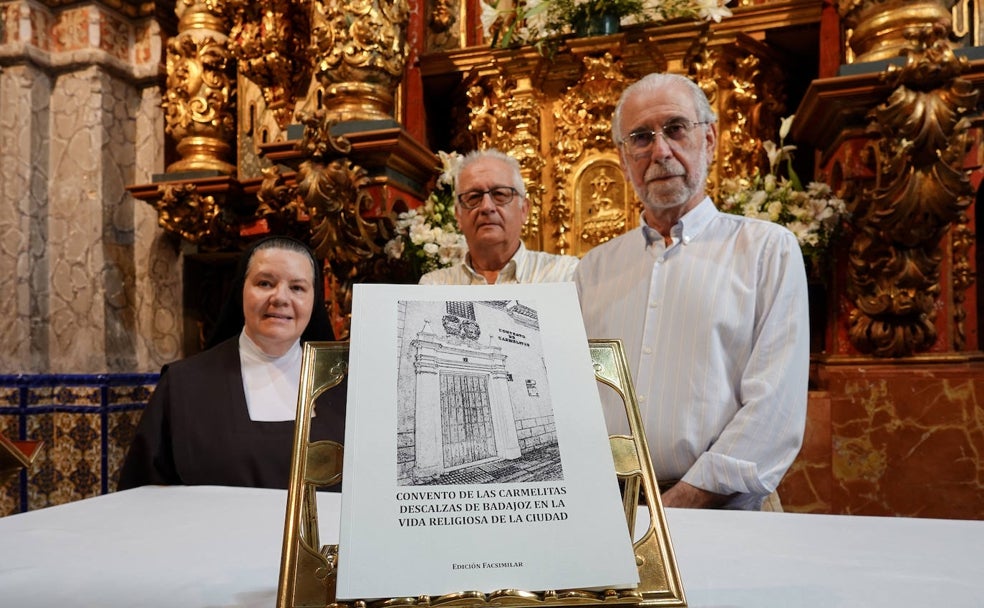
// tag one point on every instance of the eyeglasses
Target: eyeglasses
(501, 195)
(676, 131)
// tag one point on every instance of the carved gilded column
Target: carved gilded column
(920, 189)
(592, 201)
(198, 105)
(360, 52)
(504, 109)
(747, 89)
(520, 137)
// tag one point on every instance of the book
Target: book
(476, 454)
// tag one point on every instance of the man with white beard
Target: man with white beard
(711, 309)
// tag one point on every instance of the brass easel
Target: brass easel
(308, 571)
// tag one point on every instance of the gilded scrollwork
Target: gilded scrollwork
(262, 40)
(335, 195)
(483, 123)
(920, 189)
(583, 155)
(281, 206)
(197, 218)
(359, 49)
(199, 102)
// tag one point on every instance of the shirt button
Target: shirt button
(647, 350)
(640, 397)
(654, 304)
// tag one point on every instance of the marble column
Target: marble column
(24, 171)
(92, 283)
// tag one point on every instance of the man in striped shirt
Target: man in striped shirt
(711, 309)
(491, 207)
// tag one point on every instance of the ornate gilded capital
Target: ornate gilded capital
(360, 51)
(920, 189)
(881, 29)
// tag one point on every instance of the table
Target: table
(211, 547)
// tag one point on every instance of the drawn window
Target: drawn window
(531, 388)
(465, 310)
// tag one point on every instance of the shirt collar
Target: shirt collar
(687, 228)
(509, 271)
(253, 350)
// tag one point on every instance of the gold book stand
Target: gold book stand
(16, 455)
(308, 570)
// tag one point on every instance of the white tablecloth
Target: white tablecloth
(213, 547)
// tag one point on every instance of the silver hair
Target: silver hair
(477, 155)
(650, 84)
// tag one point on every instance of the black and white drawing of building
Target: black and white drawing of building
(473, 399)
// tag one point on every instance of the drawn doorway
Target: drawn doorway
(466, 419)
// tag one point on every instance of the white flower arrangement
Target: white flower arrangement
(814, 214)
(509, 23)
(427, 238)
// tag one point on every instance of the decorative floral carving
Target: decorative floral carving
(197, 218)
(281, 205)
(963, 239)
(262, 39)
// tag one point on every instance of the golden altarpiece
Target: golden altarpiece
(321, 119)
(326, 138)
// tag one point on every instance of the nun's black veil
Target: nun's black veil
(231, 318)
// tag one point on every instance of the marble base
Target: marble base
(901, 439)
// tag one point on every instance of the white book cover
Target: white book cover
(476, 453)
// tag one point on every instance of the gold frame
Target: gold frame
(308, 571)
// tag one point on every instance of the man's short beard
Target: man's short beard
(683, 195)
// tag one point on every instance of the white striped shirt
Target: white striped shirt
(525, 266)
(716, 332)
